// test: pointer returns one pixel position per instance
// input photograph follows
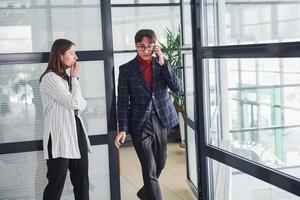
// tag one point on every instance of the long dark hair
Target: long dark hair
(59, 47)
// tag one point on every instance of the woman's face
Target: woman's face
(69, 57)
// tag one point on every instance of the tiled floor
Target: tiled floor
(172, 180)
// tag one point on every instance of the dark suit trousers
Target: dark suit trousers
(151, 149)
(58, 167)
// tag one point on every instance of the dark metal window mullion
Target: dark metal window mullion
(269, 175)
(37, 145)
(267, 50)
(43, 57)
(199, 94)
(145, 5)
(106, 20)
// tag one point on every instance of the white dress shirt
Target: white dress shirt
(59, 120)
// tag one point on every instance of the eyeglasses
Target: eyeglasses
(143, 48)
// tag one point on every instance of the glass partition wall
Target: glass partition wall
(246, 55)
(130, 16)
(27, 31)
(189, 88)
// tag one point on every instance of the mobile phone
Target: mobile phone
(156, 54)
(157, 57)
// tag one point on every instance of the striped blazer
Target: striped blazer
(59, 120)
(136, 99)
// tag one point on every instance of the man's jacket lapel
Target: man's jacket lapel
(155, 74)
(135, 69)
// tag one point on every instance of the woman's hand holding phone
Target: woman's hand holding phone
(159, 55)
(74, 71)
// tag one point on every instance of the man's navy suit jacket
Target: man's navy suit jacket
(136, 99)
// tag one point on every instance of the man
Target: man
(145, 109)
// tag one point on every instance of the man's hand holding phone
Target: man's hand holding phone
(159, 55)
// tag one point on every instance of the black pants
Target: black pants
(151, 149)
(58, 167)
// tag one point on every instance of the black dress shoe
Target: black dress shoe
(140, 194)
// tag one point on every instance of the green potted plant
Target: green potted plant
(172, 50)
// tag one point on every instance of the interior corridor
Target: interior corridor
(172, 180)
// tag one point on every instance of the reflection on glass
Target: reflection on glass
(227, 183)
(192, 159)
(189, 85)
(23, 176)
(213, 86)
(21, 111)
(92, 83)
(94, 116)
(120, 59)
(262, 97)
(21, 116)
(142, 1)
(127, 21)
(247, 22)
(187, 23)
(28, 27)
(30, 3)
(72, 2)
(209, 36)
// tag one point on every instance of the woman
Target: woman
(65, 143)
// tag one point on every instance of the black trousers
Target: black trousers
(58, 167)
(151, 149)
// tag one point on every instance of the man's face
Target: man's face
(145, 48)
